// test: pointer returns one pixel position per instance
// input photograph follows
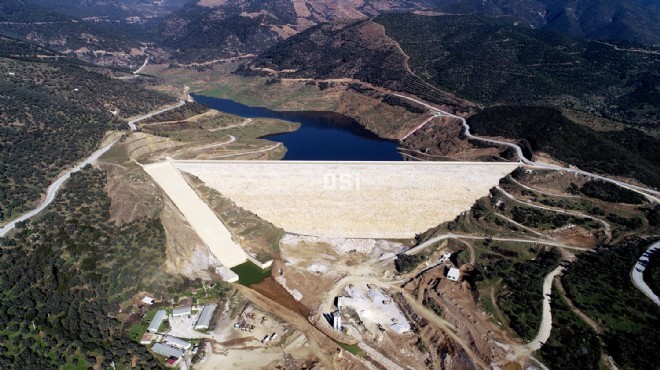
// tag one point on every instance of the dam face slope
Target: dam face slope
(210, 229)
(351, 199)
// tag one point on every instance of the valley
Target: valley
(322, 185)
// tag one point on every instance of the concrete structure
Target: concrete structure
(182, 311)
(349, 199)
(166, 350)
(156, 321)
(176, 342)
(336, 320)
(204, 321)
(202, 219)
(454, 274)
(445, 257)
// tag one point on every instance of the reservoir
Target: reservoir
(322, 136)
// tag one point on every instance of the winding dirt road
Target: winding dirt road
(132, 122)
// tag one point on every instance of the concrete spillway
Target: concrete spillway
(202, 219)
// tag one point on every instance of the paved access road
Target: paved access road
(57, 184)
(637, 273)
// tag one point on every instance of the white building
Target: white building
(168, 351)
(454, 274)
(204, 321)
(182, 311)
(176, 342)
(156, 321)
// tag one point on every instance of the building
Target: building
(336, 320)
(204, 321)
(166, 350)
(182, 311)
(454, 274)
(446, 257)
(172, 361)
(176, 342)
(147, 338)
(156, 321)
(148, 300)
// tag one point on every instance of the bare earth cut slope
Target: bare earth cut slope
(350, 199)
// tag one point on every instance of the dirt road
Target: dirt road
(546, 320)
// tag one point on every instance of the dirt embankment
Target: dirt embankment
(456, 304)
(441, 139)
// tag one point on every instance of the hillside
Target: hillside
(628, 153)
(631, 20)
(112, 9)
(64, 275)
(52, 114)
(211, 29)
(359, 51)
(478, 59)
(104, 43)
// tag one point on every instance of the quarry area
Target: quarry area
(361, 200)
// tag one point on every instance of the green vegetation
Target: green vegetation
(352, 348)
(52, 115)
(326, 52)
(405, 263)
(249, 273)
(572, 343)
(63, 275)
(609, 192)
(490, 61)
(178, 114)
(65, 32)
(541, 219)
(599, 284)
(521, 290)
(629, 153)
(200, 33)
(433, 306)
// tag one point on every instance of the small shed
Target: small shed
(454, 274)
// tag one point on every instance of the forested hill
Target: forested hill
(486, 61)
(480, 59)
(63, 276)
(53, 113)
(104, 43)
(631, 20)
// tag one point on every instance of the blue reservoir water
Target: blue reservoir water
(323, 136)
